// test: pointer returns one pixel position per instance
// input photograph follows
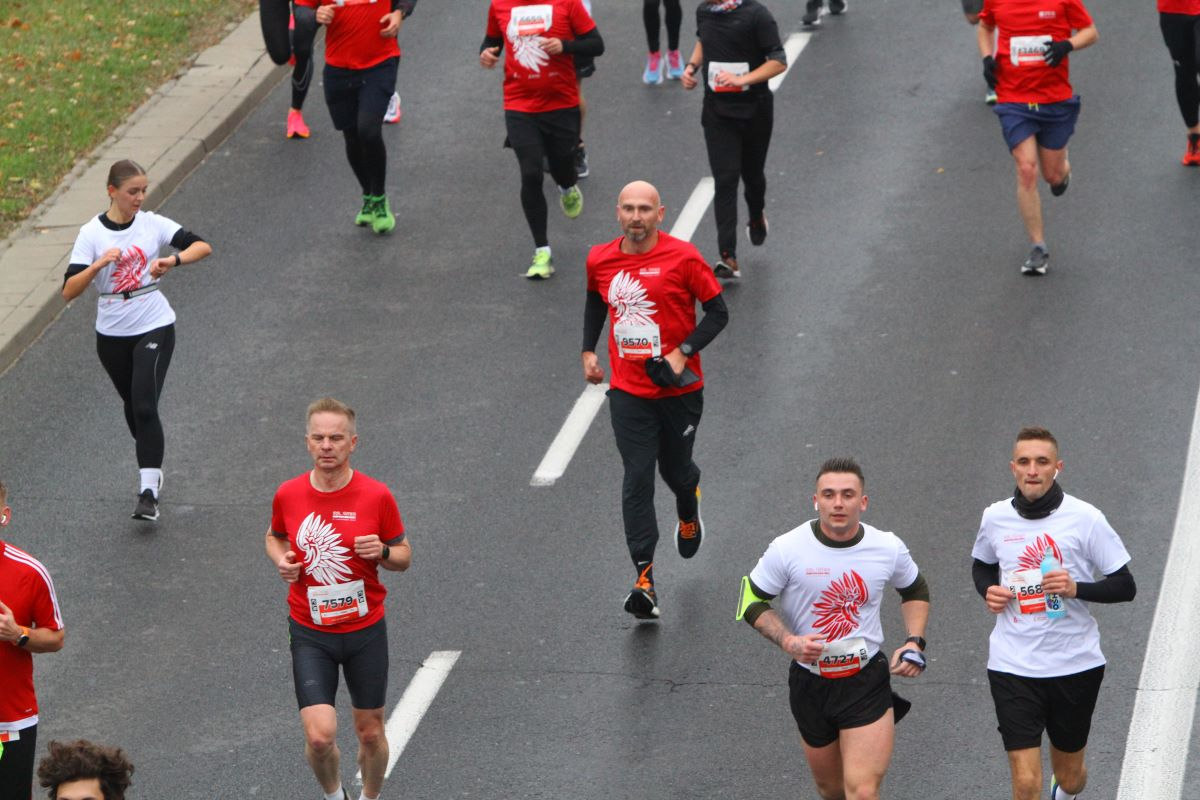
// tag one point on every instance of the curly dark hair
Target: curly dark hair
(81, 760)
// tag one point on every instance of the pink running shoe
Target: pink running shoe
(295, 125)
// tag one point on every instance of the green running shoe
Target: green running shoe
(367, 215)
(385, 220)
(542, 266)
(572, 202)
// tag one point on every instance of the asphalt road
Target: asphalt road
(884, 318)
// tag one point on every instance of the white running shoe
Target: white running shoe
(393, 110)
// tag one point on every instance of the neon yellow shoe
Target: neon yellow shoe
(571, 202)
(542, 267)
(385, 220)
(367, 215)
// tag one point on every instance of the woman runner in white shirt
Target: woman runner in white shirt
(135, 325)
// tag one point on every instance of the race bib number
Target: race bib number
(329, 605)
(9, 736)
(733, 68)
(340, 3)
(1027, 51)
(637, 342)
(1026, 586)
(531, 20)
(843, 658)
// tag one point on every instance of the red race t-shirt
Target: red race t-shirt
(26, 588)
(534, 80)
(651, 307)
(352, 40)
(1025, 28)
(1189, 7)
(338, 591)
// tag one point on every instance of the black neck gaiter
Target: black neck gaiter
(1040, 508)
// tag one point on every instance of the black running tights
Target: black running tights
(651, 21)
(1181, 33)
(737, 149)
(367, 154)
(283, 44)
(138, 366)
(560, 154)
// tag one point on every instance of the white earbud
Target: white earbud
(4, 519)
(815, 507)
(1055, 474)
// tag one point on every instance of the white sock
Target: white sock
(365, 796)
(151, 479)
(338, 795)
(545, 250)
(1061, 794)
(565, 189)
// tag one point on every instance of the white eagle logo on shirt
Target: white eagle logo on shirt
(526, 25)
(628, 299)
(324, 556)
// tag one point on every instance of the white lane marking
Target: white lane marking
(405, 718)
(558, 456)
(794, 46)
(570, 435)
(1156, 749)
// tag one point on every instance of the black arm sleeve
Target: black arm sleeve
(985, 575)
(491, 41)
(917, 590)
(587, 44)
(595, 311)
(183, 239)
(407, 6)
(1117, 587)
(716, 316)
(73, 269)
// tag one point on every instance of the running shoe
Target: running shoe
(581, 162)
(727, 267)
(990, 98)
(392, 115)
(542, 266)
(1059, 189)
(653, 73)
(295, 125)
(1053, 787)
(812, 14)
(1038, 261)
(838, 7)
(641, 601)
(147, 506)
(689, 533)
(385, 220)
(756, 229)
(571, 202)
(1192, 157)
(367, 215)
(674, 65)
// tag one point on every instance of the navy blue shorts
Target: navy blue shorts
(1052, 123)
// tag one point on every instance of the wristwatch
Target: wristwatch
(687, 349)
(919, 641)
(23, 639)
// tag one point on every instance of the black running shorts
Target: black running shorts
(1061, 706)
(362, 655)
(824, 706)
(354, 94)
(528, 130)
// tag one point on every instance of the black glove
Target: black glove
(1057, 51)
(989, 71)
(659, 370)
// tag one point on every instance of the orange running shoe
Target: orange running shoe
(689, 533)
(295, 125)
(1192, 157)
(641, 601)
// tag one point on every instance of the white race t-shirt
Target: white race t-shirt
(140, 244)
(836, 591)
(1030, 644)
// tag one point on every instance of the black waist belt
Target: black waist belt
(132, 293)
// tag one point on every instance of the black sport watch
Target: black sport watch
(919, 641)
(23, 639)
(687, 349)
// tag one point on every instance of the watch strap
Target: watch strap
(919, 641)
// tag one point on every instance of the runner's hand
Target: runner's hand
(9, 629)
(1057, 51)
(368, 547)
(550, 45)
(324, 15)
(677, 360)
(391, 24)
(997, 598)
(1059, 582)
(489, 57)
(111, 256)
(289, 567)
(592, 371)
(688, 79)
(728, 79)
(805, 649)
(903, 668)
(989, 71)
(160, 266)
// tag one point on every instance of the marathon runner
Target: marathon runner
(739, 50)
(971, 9)
(812, 11)
(585, 67)
(648, 282)
(1180, 23)
(361, 61)
(331, 530)
(1045, 673)
(1028, 66)
(117, 251)
(653, 74)
(541, 101)
(30, 622)
(82, 770)
(829, 576)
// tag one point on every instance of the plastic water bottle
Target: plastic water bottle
(1054, 602)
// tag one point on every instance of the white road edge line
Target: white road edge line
(407, 715)
(1156, 749)
(570, 435)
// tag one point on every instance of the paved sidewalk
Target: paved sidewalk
(184, 121)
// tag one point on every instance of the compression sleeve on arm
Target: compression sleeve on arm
(595, 311)
(407, 6)
(183, 239)
(716, 317)
(588, 44)
(72, 271)
(491, 41)
(752, 601)
(985, 575)
(1117, 587)
(917, 590)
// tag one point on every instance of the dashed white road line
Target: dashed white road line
(570, 435)
(1156, 748)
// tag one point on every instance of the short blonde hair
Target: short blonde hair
(333, 406)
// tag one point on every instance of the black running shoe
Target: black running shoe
(641, 601)
(1038, 261)
(1058, 190)
(147, 506)
(581, 162)
(812, 14)
(838, 7)
(756, 229)
(689, 533)
(727, 267)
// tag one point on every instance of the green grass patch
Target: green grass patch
(71, 71)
